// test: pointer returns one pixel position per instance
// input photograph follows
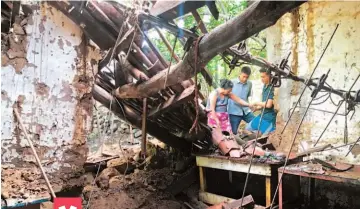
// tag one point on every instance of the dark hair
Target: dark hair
(265, 70)
(226, 84)
(246, 70)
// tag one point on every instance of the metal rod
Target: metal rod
(327, 125)
(34, 152)
(257, 136)
(307, 81)
(325, 111)
(346, 126)
(288, 154)
(143, 129)
(337, 109)
(352, 146)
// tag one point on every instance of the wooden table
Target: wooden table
(350, 176)
(237, 165)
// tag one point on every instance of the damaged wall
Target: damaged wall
(305, 33)
(48, 68)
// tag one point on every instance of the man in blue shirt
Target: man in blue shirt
(268, 123)
(242, 88)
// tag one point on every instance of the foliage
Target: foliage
(217, 67)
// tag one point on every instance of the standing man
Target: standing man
(268, 123)
(242, 89)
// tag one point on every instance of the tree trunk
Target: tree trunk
(257, 17)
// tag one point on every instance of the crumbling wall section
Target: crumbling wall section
(305, 33)
(52, 86)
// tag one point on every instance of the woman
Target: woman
(218, 117)
(217, 105)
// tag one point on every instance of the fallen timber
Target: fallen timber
(120, 32)
(222, 37)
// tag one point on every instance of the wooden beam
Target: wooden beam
(141, 56)
(154, 49)
(167, 44)
(259, 16)
(92, 27)
(199, 21)
(123, 43)
(128, 114)
(169, 10)
(174, 101)
(233, 165)
(204, 71)
(127, 66)
(143, 128)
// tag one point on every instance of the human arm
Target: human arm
(238, 100)
(266, 104)
(212, 99)
(261, 105)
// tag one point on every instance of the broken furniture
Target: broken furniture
(308, 170)
(241, 165)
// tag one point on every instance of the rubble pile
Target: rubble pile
(134, 182)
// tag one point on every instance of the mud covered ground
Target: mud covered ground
(141, 189)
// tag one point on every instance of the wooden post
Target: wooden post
(268, 190)
(154, 49)
(202, 179)
(163, 38)
(143, 129)
(199, 21)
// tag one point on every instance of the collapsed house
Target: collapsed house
(53, 66)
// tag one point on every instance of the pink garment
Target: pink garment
(224, 121)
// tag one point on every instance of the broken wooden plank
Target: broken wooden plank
(247, 202)
(213, 199)
(169, 10)
(95, 30)
(199, 22)
(222, 37)
(167, 44)
(187, 95)
(154, 49)
(143, 127)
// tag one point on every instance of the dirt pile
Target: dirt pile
(141, 189)
(147, 184)
(22, 183)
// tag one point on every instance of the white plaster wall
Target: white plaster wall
(305, 34)
(55, 116)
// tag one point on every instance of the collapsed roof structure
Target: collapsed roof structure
(117, 28)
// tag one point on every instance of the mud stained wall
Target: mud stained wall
(53, 90)
(305, 33)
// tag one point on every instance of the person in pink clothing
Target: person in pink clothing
(217, 106)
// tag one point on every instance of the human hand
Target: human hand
(218, 123)
(252, 107)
